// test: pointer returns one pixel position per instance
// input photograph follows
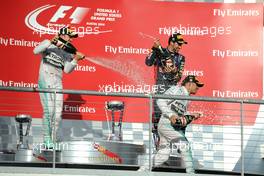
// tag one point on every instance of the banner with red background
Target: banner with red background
(224, 50)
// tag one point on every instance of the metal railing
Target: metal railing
(150, 97)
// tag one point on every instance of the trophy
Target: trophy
(23, 119)
(113, 107)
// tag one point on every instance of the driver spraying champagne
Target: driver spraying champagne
(169, 63)
(169, 66)
(58, 55)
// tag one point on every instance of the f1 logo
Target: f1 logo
(77, 16)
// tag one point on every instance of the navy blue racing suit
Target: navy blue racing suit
(164, 80)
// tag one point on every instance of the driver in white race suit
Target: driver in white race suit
(55, 60)
(173, 122)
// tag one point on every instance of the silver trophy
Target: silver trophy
(21, 119)
(113, 107)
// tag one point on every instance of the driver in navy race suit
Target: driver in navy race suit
(169, 66)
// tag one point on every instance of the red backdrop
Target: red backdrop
(224, 49)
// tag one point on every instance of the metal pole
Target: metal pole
(54, 133)
(242, 138)
(120, 125)
(21, 134)
(150, 132)
(113, 124)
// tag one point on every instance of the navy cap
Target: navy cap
(192, 78)
(177, 37)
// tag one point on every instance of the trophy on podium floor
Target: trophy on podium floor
(113, 107)
(23, 143)
(24, 153)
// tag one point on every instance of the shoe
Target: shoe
(190, 171)
(143, 169)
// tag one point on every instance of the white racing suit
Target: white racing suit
(54, 62)
(174, 135)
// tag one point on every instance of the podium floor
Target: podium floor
(36, 171)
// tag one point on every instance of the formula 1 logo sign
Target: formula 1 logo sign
(76, 17)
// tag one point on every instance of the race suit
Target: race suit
(54, 62)
(170, 133)
(165, 80)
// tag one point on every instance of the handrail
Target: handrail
(136, 95)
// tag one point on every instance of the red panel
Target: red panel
(214, 31)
